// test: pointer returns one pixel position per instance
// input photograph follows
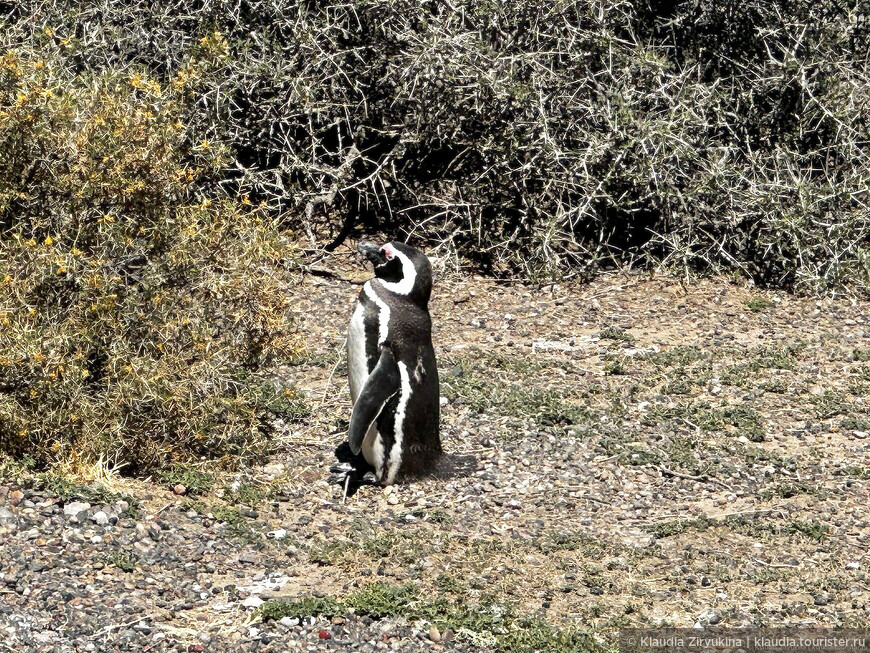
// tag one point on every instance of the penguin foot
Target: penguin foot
(351, 472)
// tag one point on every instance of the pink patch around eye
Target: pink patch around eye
(388, 251)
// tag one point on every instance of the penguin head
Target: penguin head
(401, 269)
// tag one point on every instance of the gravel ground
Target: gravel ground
(643, 453)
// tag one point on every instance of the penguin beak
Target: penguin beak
(372, 252)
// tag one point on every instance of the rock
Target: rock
(16, 497)
(180, 489)
(253, 602)
(100, 518)
(324, 634)
(290, 622)
(434, 634)
(277, 534)
(821, 599)
(7, 516)
(74, 508)
(274, 469)
(248, 558)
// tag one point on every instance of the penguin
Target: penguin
(392, 372)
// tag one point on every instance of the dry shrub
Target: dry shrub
(134, 316)
(532, 136)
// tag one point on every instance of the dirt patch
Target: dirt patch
(644, 452)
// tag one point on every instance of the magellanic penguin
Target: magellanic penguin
(392, 372)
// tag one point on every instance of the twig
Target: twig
(325, 272)
(703, 479)
(331, 374)
(767, 564)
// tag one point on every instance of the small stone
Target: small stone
(324, 634)
(277, 534)
(100, 518)
(821, 599)
(7, 516)
(73, 508)
(447, 635)
(290, 622)
(393, 500)
(179, 489)
(16, 497)
(253, 602)
(434, 634)
(249, 558)
(274, 469)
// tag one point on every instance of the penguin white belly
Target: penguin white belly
(357, 366)
(373, 449)
(358, 372)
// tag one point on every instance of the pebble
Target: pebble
(73, 508)
(253, 602)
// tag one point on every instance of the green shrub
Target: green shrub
(134, 314)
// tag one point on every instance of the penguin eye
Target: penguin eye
(388, 252)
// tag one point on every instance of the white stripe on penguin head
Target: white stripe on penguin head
(409, 273)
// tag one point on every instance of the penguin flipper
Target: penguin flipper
(381, 384)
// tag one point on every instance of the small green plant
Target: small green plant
(306, 607)
(811, 529)
(616, 333)
(195, 480)
(249, 494)
(758, 304)
(123, 561)
(681, 356)
(671, 528)
(861, 354)
(830, 404)
(237, 525)
(94, 493)
(789, 490)
(852, 423)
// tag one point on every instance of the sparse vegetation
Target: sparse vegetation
(486, 621)
(471, 381)
(758, 304)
